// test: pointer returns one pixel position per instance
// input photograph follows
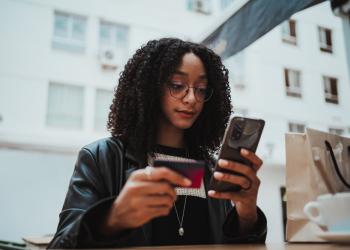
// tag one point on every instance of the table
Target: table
(268, 246)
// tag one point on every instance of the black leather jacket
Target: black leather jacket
(99, 175)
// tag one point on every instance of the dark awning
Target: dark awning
(250, 22)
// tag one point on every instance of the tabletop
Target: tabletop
(268, 246)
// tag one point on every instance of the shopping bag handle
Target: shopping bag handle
(330, 149)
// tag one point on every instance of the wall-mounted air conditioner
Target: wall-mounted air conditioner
(109, 58)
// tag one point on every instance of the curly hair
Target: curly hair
(136, 104)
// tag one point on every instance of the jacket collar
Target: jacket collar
(134, 157)
(131, 154)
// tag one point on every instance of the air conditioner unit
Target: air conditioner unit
(201, 6)
(109, 58)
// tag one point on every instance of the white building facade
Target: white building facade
(295, 77)
(60, 62)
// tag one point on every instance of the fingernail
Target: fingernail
(223, 162)
(218, 175)
(187, 182)
(211, 192)
(244, 151)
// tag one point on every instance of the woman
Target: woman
(172, 101)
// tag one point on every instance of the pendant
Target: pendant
(181, 231)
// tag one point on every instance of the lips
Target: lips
(186, 113)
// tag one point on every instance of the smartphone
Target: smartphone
(193, 170)
(241, 133)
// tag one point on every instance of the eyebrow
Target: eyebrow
(177, 72)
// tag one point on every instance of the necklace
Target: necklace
(181, 229)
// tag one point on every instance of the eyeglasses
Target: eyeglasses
(180, 90)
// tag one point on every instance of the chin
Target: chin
(183, 124)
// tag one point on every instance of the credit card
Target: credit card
(193, 170)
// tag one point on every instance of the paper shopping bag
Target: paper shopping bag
(311, 170)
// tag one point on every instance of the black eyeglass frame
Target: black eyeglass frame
(208, 88)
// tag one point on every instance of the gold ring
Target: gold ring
(250, 186)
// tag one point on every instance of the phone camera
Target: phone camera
(236, 135)
(237, 130)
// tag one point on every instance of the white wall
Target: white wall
(32, 189)
(272, 178)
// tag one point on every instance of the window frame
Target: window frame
(292, 91)
(323, 39)
(50, 114)
(288, 37)
(114, 27)
(296, 127)
(70, 40)
(327, 89)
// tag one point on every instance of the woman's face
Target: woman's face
(181, 108)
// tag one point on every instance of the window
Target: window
(292, 82)
(65, 106)
(69, 32)
(289, 34)
(296, 127)
(336, 131)
(113, 34)
(113, 44)
(200, 6)
(330, 89)
(325, 38)
(224, 4)
(102, 103)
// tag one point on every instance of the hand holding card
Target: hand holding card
(193, 170)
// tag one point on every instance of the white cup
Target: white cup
(331, 211)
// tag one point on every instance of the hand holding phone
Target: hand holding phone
(241, 133)
(193, 170)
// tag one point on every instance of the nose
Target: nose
(189, 97)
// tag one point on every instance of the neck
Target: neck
(170, 136)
